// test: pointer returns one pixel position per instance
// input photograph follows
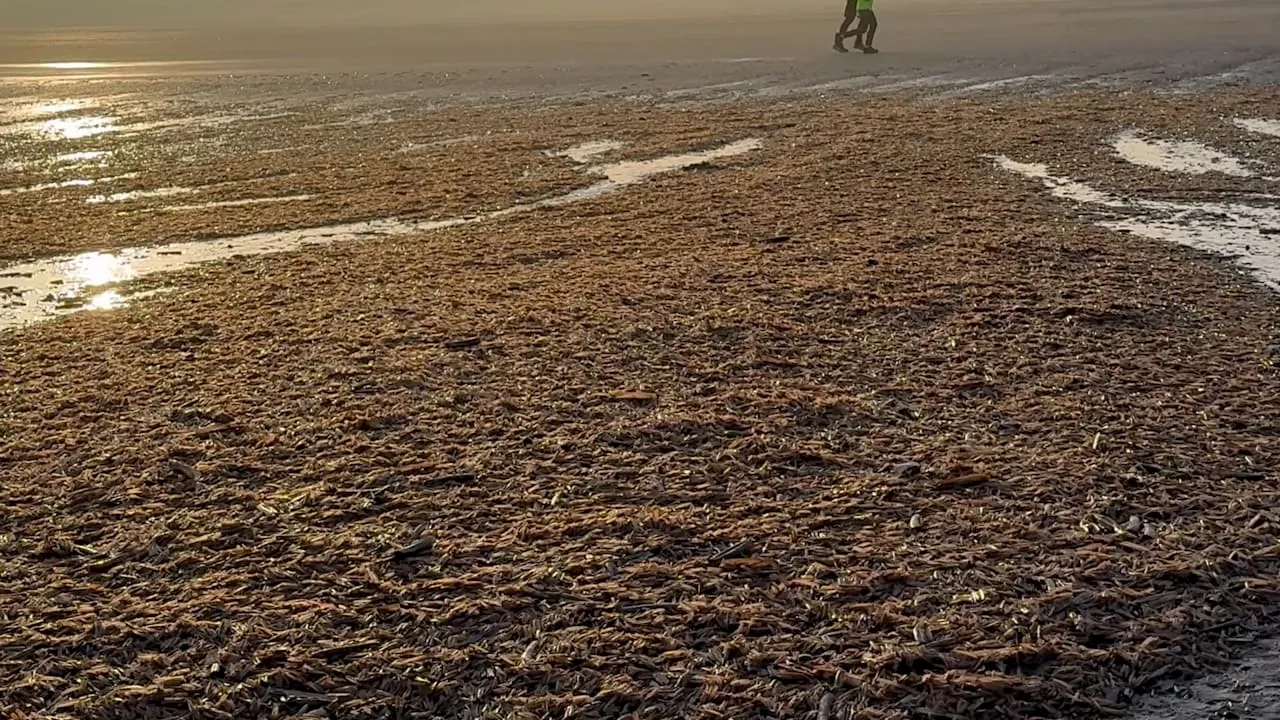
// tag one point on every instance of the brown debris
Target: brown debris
(573, 553)
(635, 396)
(185, 470)
(963, 481)
(414, 549)
(463, 343)
(733, 551)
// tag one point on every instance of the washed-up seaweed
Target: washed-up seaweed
(949, 451)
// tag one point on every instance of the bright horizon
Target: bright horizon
(183, 14)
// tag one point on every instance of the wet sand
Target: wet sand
(1152, 40)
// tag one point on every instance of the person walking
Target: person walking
(864, 34)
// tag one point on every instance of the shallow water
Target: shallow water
(61, 163)
(1246, 230)
(213, 205)
(1259, 125)
(139, 195)
(585, 152)
(1249, 689)
(39, 290)
(1060, 187)
(77, 157)
(1003, 85)
(77, 182)
(63, 127)
(1180, 156)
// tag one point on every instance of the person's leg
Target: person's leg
(850, 14)
(867, 30)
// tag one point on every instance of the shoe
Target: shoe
(869, 50)
(839, 44)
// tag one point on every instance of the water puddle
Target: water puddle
(1180, 156)
(745, 60)
(1259, 125)
(852, 83)
(584, 153)
(227, 204)
(78, 182)
(67, 70)
(1059, 187)
(628, 172)
(69, 161)
(76, 128)
(1257, 72)
(879, 83)
(1249, 689)
(46, 120)
(26, 111)
(205, 122)
(139, 195)
(1245, 229)
(81, 157)
(927, 82)
(73, 65)
(26, 189)
(707, 89)
(1002, 84)
(61, 107)
(35, 291)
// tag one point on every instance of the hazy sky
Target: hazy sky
(205, 13)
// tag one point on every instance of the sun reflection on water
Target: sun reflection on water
(76, 128)
(82, 156)
(109, 300)
(73, 65)
(138, 194)
(58, 108)
(94, 268)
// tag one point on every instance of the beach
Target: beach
(525, 372)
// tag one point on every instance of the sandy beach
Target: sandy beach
(527, 373)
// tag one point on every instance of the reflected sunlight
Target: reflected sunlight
(138, 194)
(106, 301)
(57, 108)
(73, 65)
(76, 128)
(82, 156)
(100, 269)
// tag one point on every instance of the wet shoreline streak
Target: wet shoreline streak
(1240, 228)
(44, 289)
(1244, 229)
